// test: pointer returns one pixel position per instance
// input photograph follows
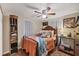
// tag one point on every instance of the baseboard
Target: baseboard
(6, 52)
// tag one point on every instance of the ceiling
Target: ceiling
(21, 9)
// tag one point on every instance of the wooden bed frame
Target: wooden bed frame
(30, 46)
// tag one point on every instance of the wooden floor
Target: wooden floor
(18, 53)
(22, 53)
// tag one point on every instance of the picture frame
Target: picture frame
(69, 22)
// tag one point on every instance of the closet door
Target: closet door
(0, 33)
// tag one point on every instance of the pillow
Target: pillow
(46, 34)
(38, 34)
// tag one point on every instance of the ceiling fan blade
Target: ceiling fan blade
(31, 7)
(39, 16)
(51, 13)
(37, 12)
(48, 8)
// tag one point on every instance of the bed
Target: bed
(31, 45)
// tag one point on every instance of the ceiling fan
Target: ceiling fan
(42, 13)
(46, 12)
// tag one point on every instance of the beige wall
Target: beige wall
(0, 32)
(6, 45)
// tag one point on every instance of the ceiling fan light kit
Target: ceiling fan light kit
(43, 13)
(44, 16)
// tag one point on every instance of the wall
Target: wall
(6, 45)
(0, 32)
(57, 23)
(52, 22)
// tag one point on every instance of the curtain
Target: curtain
(28, 28)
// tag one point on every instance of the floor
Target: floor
(59, 53)
(55, 53)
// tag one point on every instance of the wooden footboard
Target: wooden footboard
(50, 45)
(31, 46)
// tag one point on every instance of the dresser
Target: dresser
(77, 41)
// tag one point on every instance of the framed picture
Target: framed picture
(69, 22)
